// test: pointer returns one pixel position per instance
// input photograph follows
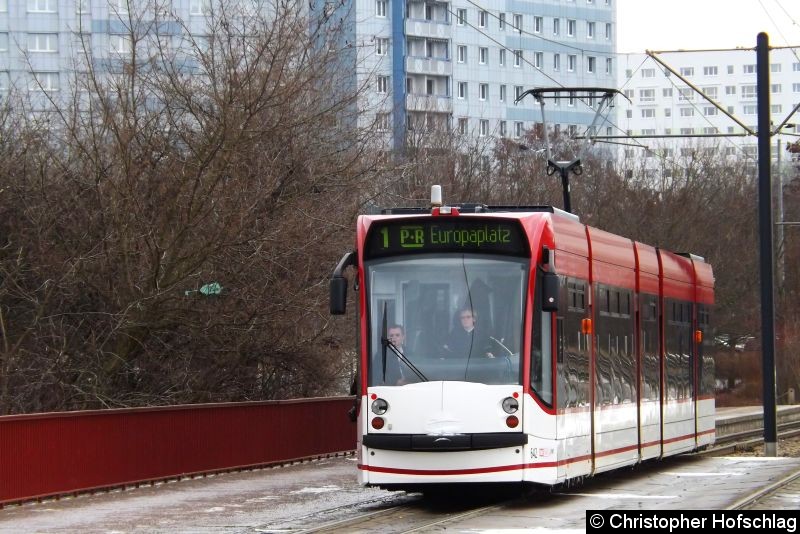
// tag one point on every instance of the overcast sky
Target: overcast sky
(700, 24)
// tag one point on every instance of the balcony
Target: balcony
(429, 103)
(429, 65)
(434, 29)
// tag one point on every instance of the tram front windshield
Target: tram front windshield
(446, 317)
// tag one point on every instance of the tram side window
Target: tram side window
(649, 340)
(573, 353)
(615, 367)
(704, 351)
(678, 350)
(542, 349)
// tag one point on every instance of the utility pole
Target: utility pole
(781, 246)
(765, 225)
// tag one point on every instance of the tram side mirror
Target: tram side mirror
(338, 295)
(338, 284)
(550, 292)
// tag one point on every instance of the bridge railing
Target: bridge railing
(53, 454)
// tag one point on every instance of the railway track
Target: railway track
(418, 514)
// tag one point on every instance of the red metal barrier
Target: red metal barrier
(57, 453)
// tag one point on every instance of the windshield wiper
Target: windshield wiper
(400, 356)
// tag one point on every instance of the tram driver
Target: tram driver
(467, 339)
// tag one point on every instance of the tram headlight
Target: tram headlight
(379, 406)
(510, 405)
(377, 423)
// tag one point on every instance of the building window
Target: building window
(748, 91)
(571, 99)
(461, 17)
(709, 111)
(687, 131)
(502, 21)
(517, 58)
(730, 89)
(556, 62)
(538, 59)
(483, 91)
(649, 131)
(462, 90)
(517, 129)
(483, 55)
(730, 69)
(41, 6)
(648, 73)
(572, 61)
(383, 84)
(709, 71)
(42, 42)
(647, 95)
(711, 92)
(687, 71)
(750, 109)
(502, 93)
(518, 90)
(571, 27)
(667, 112)
(775, 67)
(776, 108)
(591, 64)
(687, 112)
(518, 22)
(502, 58)
(686, 94)
(538, 24)
(775, 88)
(118, 6)
(463, 125)
(199, 7)
(628, 113)
(484, 128)
(4, 81)
(608, 31)
(556, 26)
(4, 42)
(382, 122)
(667, 92)
(590, 30)
(796, 87)
(380, 8)
(119, 44)
(502, 129)
(81, 6)
(628, 93)
(45, 81)
(608, 65)
(462, 53)
(483, 19)
(749, 69)
(649, 113)
(382, 46)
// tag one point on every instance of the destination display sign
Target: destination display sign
(439, 234)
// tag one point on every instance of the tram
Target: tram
(585, 351)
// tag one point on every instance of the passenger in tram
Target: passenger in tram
(394, 371)
(467, 339)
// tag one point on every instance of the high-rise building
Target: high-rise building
(662, 104)
(460, 64)
(422, 64)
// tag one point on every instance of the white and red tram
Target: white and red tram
(587, 352)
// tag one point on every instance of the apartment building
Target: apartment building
(460, 64)
(424, 64)
(663, 104)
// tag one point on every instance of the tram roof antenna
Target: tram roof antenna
(565, 167)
